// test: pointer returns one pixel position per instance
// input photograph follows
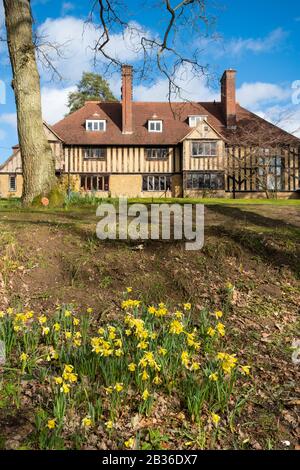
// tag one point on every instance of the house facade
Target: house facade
(156, 149)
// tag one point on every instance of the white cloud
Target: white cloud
(9, 118)
(287, 117)
(79, 39)
(237, 46)
(66, 7)
(54, 103)
(193, 88)
(253, 94)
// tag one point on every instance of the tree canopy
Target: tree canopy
(91, 87)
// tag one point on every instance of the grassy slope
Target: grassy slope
(50, 257)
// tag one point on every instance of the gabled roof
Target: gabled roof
(72, 130)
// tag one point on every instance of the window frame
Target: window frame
(95, 128)
(152, 150)
(199, 117)
(152, 183)
(89, 151)
(192, 177)
(155, 122)
(204, 143)
(89, 180)
(10, 188)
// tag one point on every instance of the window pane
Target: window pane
(88, 183)
(106, 183)
(168, 183)
(150, 183)
(94, 183)
(12, 183)
(156, 183)
(82, 182)
(213, 148)
(152, 126)
(162, 183)
(145, 185)
(100, 183)
(90, 126)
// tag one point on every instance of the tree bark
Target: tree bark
(37, 159)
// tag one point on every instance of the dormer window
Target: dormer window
(155, 125)
(194, 120)
(98, 125)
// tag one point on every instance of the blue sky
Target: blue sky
(259, 38)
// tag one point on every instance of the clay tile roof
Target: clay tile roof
(72, 130)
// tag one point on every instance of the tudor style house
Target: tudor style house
(144, 149)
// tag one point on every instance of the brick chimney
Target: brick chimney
(126, 99)
(228, 98)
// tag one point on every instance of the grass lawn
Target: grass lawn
(249, 269)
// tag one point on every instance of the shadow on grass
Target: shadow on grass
(258, 245)
(252, 217)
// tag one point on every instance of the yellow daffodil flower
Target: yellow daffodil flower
(215, 419)
(145, 394)
(51, 424)
(130, 443)
(87, 422)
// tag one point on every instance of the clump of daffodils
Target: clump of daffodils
(150, 350)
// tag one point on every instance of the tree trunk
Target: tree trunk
(37, 159)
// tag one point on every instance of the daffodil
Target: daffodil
(128, 289)
(178, 315)
(145, 375)
(185, 360)
(132, 367)
(119, 387)
(130, 443)
(58, 380)
(87, 422)
(45, 330)
(128, 332)
(51, 424)
(151, 310)
(145, 394)
(109, 424)
(176, 327)
(162, 351)
(187, 306)
(76, 321)
(65, 388)
(245, 370)
(56, 326)
(211, 332)
(215, 419)
(221, 329)
(213, 377)
(218, 314)
(67, 313)
(23, 357)
(195, 366)
(157, 380)
(2, 314)
(68, 334)
(89, 310)
(42, 319)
